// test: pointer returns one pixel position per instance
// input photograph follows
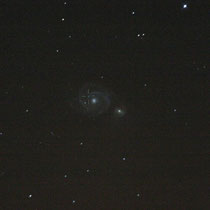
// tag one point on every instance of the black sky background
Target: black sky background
(166, 151)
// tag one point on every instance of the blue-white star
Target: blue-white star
(93, 100)
(184, 6)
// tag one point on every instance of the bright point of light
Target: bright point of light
(138, 195)
(184, 6)
(138, 35)
(62, 19)
(94, 100)
(65, 176)
(30, 196)
(124, 158)
(133, 13)
(119, 111)
(73, 201)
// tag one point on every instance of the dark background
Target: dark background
(160, 77)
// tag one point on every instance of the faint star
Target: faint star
(124, 158)
(73, 201)
(27, 110)
(174, 110)
(64, 3)
(138, 195)
(57, 51)
(2, 173)
(145, 85)
(69, 36)
(62, 19)
(65, 176)
(88, 170)
(81, 143)
(1, 133)
(30, 196)
(52, 133)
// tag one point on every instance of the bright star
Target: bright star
(120, 112)
(184, 6)
(94, 100)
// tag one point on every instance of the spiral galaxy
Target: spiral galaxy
(94, 100)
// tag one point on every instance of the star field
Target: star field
(104, 105)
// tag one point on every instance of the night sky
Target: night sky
(104, 105)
